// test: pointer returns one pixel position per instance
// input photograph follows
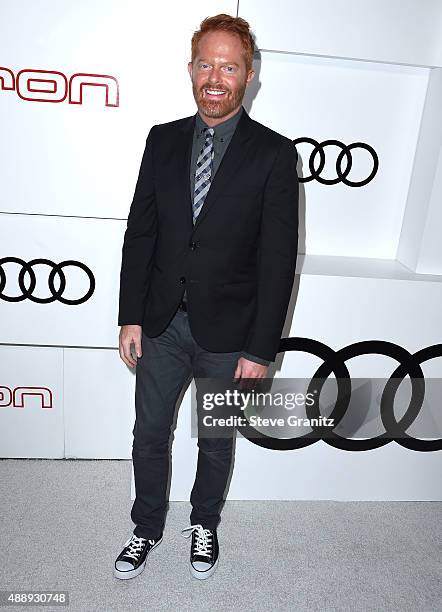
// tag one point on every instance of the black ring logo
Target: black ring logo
(318, 147)
(334, 361)
(56, 269)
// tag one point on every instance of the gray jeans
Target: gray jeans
(168, 361)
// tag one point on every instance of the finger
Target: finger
(237, 374)
(122, 356)
(137, 343)
(132, 358)
(129, 360)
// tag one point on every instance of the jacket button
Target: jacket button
(182, 280)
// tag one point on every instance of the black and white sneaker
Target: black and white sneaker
(132, 559)
(204, 551)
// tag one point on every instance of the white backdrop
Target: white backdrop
(370, 264)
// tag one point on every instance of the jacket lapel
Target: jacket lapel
(183, 157)
(233, 156)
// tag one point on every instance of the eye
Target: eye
(230, 68)
(203, 66)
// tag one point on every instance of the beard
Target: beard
(218, 108)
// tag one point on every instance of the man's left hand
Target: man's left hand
(250, 371)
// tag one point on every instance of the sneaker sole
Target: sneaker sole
(126, 575)
(203, 575)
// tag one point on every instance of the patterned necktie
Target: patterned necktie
(203, 172)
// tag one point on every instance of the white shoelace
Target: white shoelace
(203, 546)
(135, 545)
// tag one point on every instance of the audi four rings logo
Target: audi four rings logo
(342, 173)
(57, 270)
(334, 361)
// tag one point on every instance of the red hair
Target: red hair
(227, 23)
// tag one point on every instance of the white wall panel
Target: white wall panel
(420, 246)
(322, 472)
(399, 31)
(84, 159)
(95, 243)
(430, 257)
(340, 310)
(348, 101)
(99, 404)
(31, 402)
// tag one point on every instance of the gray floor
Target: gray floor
(64, 522)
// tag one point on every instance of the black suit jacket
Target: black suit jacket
(238, 261)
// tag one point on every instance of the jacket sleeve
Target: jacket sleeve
(139, 243)
(256, 359)
(278, 246)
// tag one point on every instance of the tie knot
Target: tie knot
(209, 132)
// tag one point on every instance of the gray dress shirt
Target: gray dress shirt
(223, 134)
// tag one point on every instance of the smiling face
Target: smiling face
(219, 76)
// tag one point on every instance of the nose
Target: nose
(215, 75)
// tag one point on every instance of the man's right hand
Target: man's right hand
(130, 334)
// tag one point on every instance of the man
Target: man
(208, 263)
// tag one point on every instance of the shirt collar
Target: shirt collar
(222, 130)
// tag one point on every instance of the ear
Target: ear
(190, 69)
(250, 76)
